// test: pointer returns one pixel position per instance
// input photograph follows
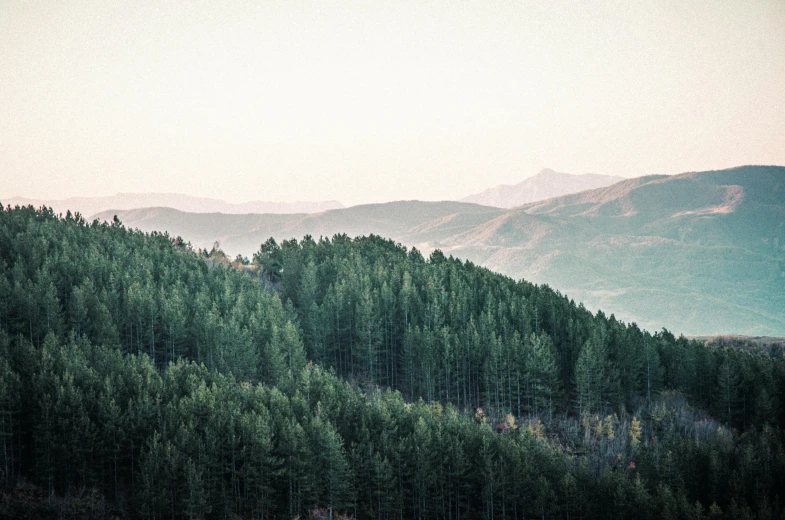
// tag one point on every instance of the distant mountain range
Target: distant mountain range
(424, 224)
(545, 185)
(124, 201)
(699, 253)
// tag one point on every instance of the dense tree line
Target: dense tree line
(449, 331)
(353, 377)
(144, 294)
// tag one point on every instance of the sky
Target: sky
(374, 101)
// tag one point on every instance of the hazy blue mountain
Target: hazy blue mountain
(92, 205)
(700, 253)
(545, 185)
(410, 222)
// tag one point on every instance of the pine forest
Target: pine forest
(354, 378)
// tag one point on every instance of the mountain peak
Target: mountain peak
(546, 184)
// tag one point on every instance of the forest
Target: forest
(354, 378)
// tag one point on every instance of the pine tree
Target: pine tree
(368, 327)
(331, 470)
(590, 378)
(542, 373)
(269, 259)
(652, 369)
(10, 407)
(727, 390)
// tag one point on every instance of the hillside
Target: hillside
(353, 378)
(545, 185)
(409, 222)
(125, 201)
(700, 253)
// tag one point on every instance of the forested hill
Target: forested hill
(411, 222)
(700, 253)
(353, 377)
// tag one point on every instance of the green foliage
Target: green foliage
(139, 292)
(140, 379)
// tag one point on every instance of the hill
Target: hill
(701, 253)
(410, 222)
(545, 185)
(125, 201)
(353, 378)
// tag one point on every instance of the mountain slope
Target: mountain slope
(698, 253)
(410, 222)
(170, 387)
(92, 205)
(545, 185)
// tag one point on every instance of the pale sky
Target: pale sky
(375, 101)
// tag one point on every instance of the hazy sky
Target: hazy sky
(372, 101)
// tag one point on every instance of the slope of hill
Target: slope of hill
(353, 379)
(92, 205)
(695, 252)
(409, 222)
(699, 253)
(545, 185)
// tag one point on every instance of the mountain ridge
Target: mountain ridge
(180, 201)
(544, 185)
(654, 250)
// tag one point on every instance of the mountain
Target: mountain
(353, 378)
(125, 201)
(410, 222)
(700, 253)
(545, 185)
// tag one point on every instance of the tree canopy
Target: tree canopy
(354, 377)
